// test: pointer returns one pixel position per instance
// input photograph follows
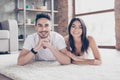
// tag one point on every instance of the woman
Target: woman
(78, 44)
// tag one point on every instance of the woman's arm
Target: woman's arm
(88, 61)
(96, 54)
(77, 60)
(95, 50)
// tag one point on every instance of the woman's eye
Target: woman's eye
(73, 26)
(80, 27)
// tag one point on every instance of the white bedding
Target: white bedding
(109, 70)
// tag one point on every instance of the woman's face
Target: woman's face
(76, 29)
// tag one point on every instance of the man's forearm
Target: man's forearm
(62, 58)
(25, 59)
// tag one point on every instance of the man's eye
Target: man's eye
(46, 25)
(39, 25)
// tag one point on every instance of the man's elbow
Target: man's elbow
(65, 62)
(20, 63)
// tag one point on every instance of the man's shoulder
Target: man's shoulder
(56, 36)
(66, 38)
(53, 33)
(32, 35)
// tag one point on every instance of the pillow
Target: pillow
(0, 26)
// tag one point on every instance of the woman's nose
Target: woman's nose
(76, 28)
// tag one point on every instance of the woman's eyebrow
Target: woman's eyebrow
(73, 24)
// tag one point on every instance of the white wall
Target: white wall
(7, 9)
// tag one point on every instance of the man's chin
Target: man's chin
(43, 37)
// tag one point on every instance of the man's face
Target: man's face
(43, 27)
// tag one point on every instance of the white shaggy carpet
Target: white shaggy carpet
(109, 70)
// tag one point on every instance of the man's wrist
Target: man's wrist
(33, 51)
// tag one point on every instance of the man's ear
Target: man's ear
(50, 26)
(35, 27)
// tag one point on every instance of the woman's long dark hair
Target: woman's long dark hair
(85, 42)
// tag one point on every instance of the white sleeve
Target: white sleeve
(28, 44)
(60, 42)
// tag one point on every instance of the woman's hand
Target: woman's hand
(74, 57)
(78, 60)
(97, 62)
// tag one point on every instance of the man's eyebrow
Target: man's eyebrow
(39, 24)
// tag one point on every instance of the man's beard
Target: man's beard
(43, 34)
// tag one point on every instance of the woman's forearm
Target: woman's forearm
(88, 61)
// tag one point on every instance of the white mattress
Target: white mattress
(109, 70)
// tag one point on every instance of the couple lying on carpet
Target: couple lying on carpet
(48, 45)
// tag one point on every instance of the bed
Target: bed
(52, 70)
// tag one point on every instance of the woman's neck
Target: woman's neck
(77, 39)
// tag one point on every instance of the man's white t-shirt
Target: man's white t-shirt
(56, 40)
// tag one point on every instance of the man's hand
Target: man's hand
(39, 45)
(46, 43)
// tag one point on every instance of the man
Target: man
(44, 44)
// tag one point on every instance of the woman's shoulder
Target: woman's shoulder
(90, 38)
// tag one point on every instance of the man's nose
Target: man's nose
(44, 28)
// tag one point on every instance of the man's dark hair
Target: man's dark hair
(42, 15)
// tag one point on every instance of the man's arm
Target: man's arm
(25, 57)
(59, 54)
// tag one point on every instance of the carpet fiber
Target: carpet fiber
(109, 70)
